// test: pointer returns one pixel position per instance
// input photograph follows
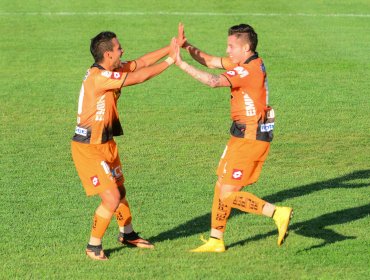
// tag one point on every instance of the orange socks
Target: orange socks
(243, 201)
(101, 222)
(123, 213)
(220, 212)
(246, 202)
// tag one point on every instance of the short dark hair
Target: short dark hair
(246, 31)
(100, 44)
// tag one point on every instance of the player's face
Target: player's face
(116, 53)
(236, 49)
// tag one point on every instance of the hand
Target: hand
(175, 51)
(181, 38)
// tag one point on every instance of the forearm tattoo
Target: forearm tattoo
(204, 77)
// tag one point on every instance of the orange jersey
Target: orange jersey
(249, 98)
(97, 119)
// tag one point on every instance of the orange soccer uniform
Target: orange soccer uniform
(94, 151)
(251, 134)
(251, 130)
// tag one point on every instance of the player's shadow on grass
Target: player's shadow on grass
(316, 227)
(108, 252)
(312, 228)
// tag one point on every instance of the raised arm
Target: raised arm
(202, 76)
(148, 72)
(151, 58)
(198, 55)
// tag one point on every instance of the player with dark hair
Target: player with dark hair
(94, 150)
(251, 130)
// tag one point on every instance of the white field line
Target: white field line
(177, 14)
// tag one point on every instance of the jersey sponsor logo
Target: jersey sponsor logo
(237, 174)
(266, 127)
(100, 109)
(117, 172)
(81, 131)
(95, 180)
(106, 74)
(231, 73)
(116, 75)
(242, 72)
(250, 109)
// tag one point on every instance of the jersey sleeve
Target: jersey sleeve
(237, 76)
(127, 66)
(227, 64)
(108, 80)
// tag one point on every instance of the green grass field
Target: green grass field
(317, 58)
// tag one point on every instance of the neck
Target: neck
(249, 55)
(105, 65)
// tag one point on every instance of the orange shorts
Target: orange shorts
(98, 166)
(241, 163)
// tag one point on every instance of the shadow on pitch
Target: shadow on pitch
(316, 227)
(312, 228)
(119, 248)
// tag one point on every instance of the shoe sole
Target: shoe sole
(215, 251)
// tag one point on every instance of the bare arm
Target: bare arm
(151, 58)
(204, 77)
(146, 73)
(200, 56)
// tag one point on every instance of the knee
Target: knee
(227, 190)
(111, 204)
(225, 194)
(112, 201)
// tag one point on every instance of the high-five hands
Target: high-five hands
(174, 50)
(181, 38)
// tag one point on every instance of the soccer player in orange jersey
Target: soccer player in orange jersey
(251, 130)
(94, 150)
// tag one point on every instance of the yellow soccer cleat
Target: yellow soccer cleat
(282, 218)
(212, 245)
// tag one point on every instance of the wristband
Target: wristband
(170, 60)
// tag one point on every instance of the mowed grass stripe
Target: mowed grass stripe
(164, 13)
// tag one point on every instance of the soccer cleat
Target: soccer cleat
(282, 218)
(133, 239)
(96, 252)
(212, 245)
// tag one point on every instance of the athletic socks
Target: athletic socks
(123, 213)
(101, 221)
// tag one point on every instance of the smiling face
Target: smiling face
(237, 49)
(114, 56)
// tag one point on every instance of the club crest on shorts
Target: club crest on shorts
(237, 174)
(95, 180)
